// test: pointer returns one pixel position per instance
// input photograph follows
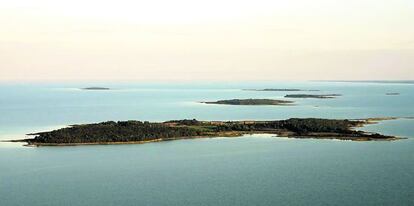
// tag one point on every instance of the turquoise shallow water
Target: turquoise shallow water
(251, 170)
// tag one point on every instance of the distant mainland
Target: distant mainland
(281, 90)
(96, 88)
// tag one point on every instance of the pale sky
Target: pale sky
(206, 40)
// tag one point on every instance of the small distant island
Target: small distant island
(132, 132)
(392, 93)
(281, 90)
(252, 102)
(316, 96)
(96, 88)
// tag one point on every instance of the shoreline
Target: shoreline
(316, 136)
(209, 137)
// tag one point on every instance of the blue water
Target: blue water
(251, 170)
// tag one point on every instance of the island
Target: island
(132, 132)
(96, 88)
(252, 102)
(316, 96)
(392, 93)
(281, 90)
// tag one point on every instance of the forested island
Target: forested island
(252, 102)
(127, 132)
(315, 96)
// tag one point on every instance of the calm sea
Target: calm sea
(250, 170)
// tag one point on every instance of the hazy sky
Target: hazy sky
(206, 40)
